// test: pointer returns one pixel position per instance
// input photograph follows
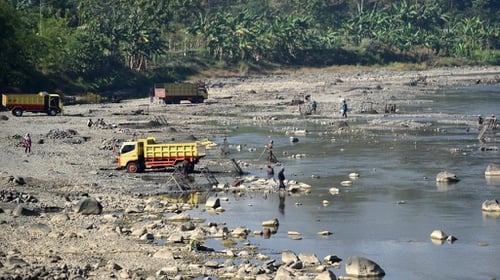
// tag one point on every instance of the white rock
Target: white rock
(446, 176)
(362, 267)
(493, 169)
(438, 235)
(346, 183)
(491, 206)
(353, 175)
(270, 223)
(334, 191)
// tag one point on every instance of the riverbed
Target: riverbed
(389, 212)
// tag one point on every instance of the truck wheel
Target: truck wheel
(132, 167)
(17, 112)
(52, 112)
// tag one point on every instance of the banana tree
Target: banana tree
(128, 31)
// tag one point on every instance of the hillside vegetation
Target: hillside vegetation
(77, 47)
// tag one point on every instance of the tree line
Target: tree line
(104, 45)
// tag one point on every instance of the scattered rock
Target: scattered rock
(334, 191)
(289, 257)
(22, 211)
(164, 253)
(40, 229)
(446, 177)
(88, 206)
(181, 217)
(491, 206)
(332, 259)
(363, 267)
(438, 235)
(492, 169)
(212, 202)
(309, 259)
(271, 223)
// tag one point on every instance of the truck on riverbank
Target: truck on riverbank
(43, 102)
(174, 93)
(145, 153)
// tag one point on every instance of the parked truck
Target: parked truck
(42, 102)
(174, 93)
(145, 154)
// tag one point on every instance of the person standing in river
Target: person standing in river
(281, 178)
(270, 172)
(344, 109)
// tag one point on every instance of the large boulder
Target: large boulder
(288, 257)
(22, 211)
(309, 259)
(493, 169)
(446, 177)
(88, 206)
(491, 206)
(181, 217)
(438, 234)
(212, 202)
(363, 267)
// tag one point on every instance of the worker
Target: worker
(314, 105)
(493, 121)
(270, 155)
(185, 168)
(90, 123)
(270, 145)
(271, 158)
(480, 120)
(270, 172)
(27, 143)
(344, 109)
(281, 178)
(225, 147)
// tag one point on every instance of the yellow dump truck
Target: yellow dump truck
(42, 102)
(174, 93)
(145, 154)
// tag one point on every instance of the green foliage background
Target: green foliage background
(81, 46)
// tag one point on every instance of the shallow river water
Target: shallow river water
(389, 212)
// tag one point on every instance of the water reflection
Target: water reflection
(445, 186)
(282, 195)
(491, 214)
(493, 181)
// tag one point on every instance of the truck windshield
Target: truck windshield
(127, 148)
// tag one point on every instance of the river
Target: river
(389, 212)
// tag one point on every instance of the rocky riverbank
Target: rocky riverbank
(67, 213)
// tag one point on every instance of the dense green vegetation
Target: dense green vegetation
(81, 46)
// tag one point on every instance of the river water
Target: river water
(389, 212)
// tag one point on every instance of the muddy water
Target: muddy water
(389, 212)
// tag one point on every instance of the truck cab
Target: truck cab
(131, 156)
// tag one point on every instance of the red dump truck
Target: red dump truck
(174, 93)
(42, 102)
(145, 154)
